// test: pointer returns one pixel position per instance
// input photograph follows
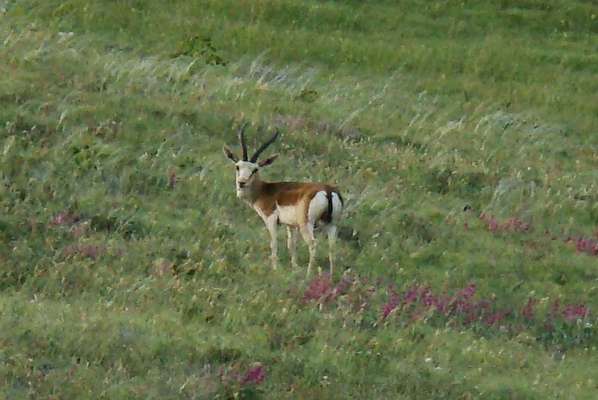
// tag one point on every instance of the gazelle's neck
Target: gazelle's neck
(253, 192)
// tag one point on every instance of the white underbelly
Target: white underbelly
(288, 215)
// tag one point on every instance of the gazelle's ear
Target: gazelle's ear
(229, 154)
(267, 161)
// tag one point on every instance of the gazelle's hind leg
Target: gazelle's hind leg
(337, 208)
(292, 245)
(331, 231)
(307, 232)
(316, 208)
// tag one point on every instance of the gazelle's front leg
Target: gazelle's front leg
(292, 245)
(307, 231)
(271, 223)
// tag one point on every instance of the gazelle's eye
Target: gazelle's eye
(254, 171)
(237, 167)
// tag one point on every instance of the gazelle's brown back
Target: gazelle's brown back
(290, 193)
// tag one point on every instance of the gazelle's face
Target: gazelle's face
(248, 167)
(246, 174)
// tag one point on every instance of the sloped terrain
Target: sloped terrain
(464, 138)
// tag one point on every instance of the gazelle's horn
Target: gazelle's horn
(242, 140)
(264, 146)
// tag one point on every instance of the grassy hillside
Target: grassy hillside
(464, 137)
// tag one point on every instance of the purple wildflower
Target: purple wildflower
(496, 317)
(471, 314)
(512, 224)
(493, 225)
(342, 287)
(459, 306)
(393, 302)
(254, 376)
(318, 289)
(444, 304)
(411, 294)
(574, 312)
(516, 225)
(491, 222)
(586, 245)
(467, 292)
(428, 299)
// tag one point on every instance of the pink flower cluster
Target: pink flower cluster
(393, 302)
(584, 245)
(254, 375)
(322, 290)
(461, 308)
(510, 225)
(418, 300)
(233, 378)
(573, 312)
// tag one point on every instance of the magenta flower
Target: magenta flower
(254, 376)
(411, 294)
(496, 317)
(493, 225)
(512, 224)
(429, 300)
(516, 225)
(467, 292)
(471, 314)
(319, 288)
(587, 245)
(574, 312)
(393, 302)
(341, 288)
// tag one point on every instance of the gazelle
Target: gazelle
(300, 206)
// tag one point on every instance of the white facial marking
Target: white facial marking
(245, 173)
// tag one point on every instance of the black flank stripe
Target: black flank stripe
(328, 216)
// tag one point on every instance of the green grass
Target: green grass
(130, 269)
